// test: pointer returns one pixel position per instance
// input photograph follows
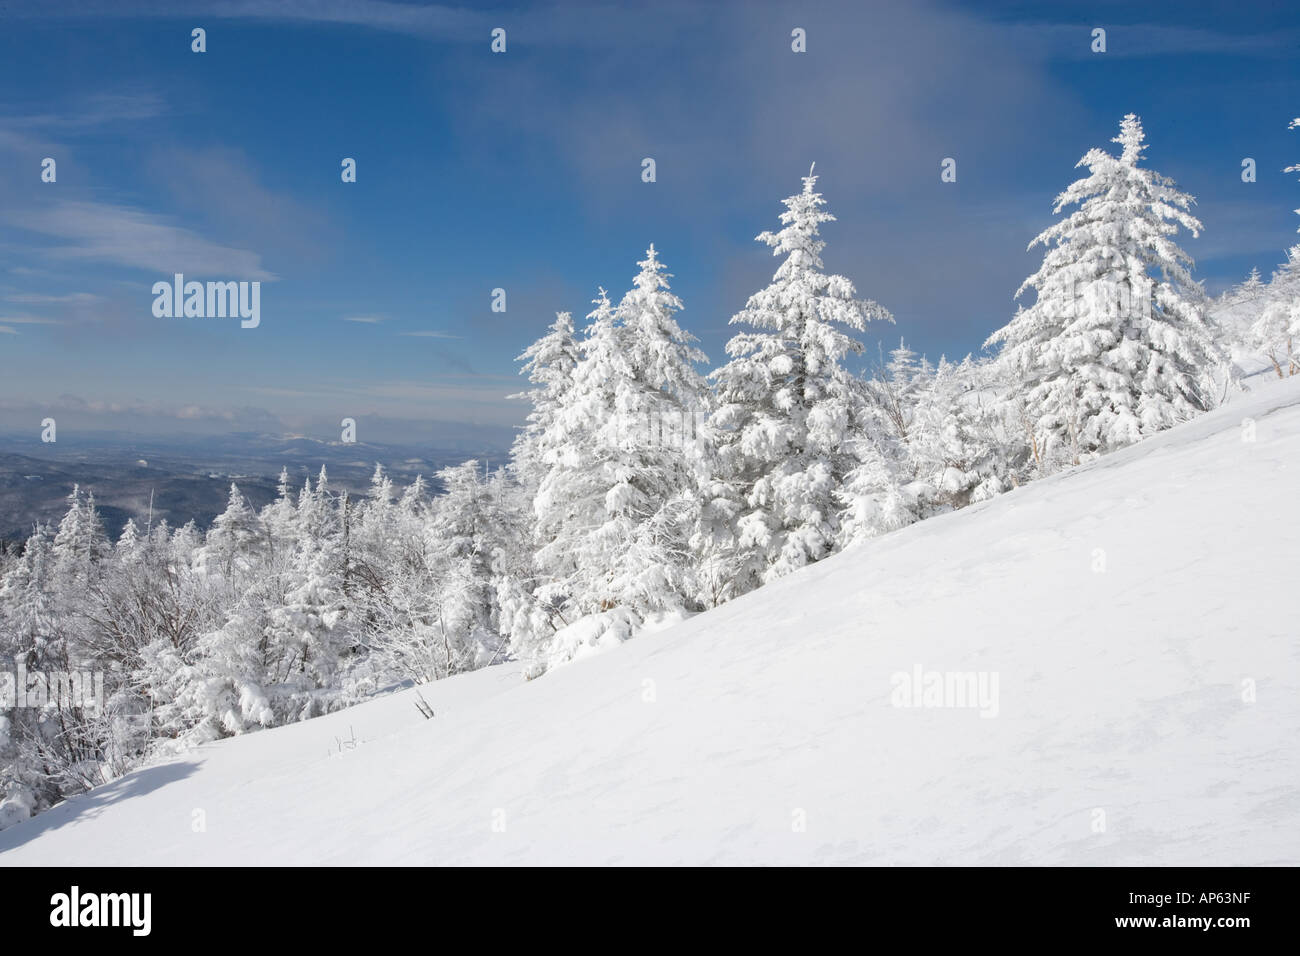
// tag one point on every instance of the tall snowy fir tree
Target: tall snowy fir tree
(1116, 345)
(549, 364)
(570, 501)
(615, 507)
(655, 451)
(788, 412)
(1276, 329)
(1235, 311)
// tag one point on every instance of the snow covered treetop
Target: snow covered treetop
(1130, 137)
(652, 277)
(798, 240)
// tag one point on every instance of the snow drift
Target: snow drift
(1137, 613)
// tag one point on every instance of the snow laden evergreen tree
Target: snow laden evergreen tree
(79, 546)
(279, 519)
(549, 363)
(464, 538)
(1235, 312)
(877, 495)
(1116, 345)
(884, 491)
(527, 614)
(896, 387)
(236, 536)
(29, 610)
(655, 452)
(396, 614)
(510, 527)
(956, 438)
(570, 500)
(1276, 331)
(615, 509)
(788, 413)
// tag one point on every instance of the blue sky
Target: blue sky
(522, 171)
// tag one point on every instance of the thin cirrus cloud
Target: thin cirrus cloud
(24, 319)
(72, 298)
(416, 20)
(366, 319)
(120, 235)
(93, 110)
(429, 334)
(7, 322)
(221, 187)
(183, 411)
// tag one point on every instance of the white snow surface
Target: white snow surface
(713, 740)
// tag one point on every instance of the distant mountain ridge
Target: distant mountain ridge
(189, 479)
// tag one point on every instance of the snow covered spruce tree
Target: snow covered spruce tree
(1116, 345)
(569, 502)
(658, 451)
(623, 460)
(549, 363)
(1235, 312)
(957, 439)
(51, 624)
(789, 415)
(1276, 331)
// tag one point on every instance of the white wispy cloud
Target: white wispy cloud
(28, 320)
(430, 334)
(366, 319)
(182, 411)
(92, 110)
(35, 298)
(409, 18)
(96, 231)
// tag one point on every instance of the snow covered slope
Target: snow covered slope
(763, 732)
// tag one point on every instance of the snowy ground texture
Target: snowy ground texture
(763, 732)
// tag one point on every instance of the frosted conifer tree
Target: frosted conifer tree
(236, 535)
(549, 363)
(280, 519)
(80, 544)
(1236, 311)
(955, 439)
(788, 411)
(654, 449)
(1116, 345)
(570, 500)
(614, 508)
(1276, 332)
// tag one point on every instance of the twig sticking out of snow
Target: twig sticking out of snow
(423, 707)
